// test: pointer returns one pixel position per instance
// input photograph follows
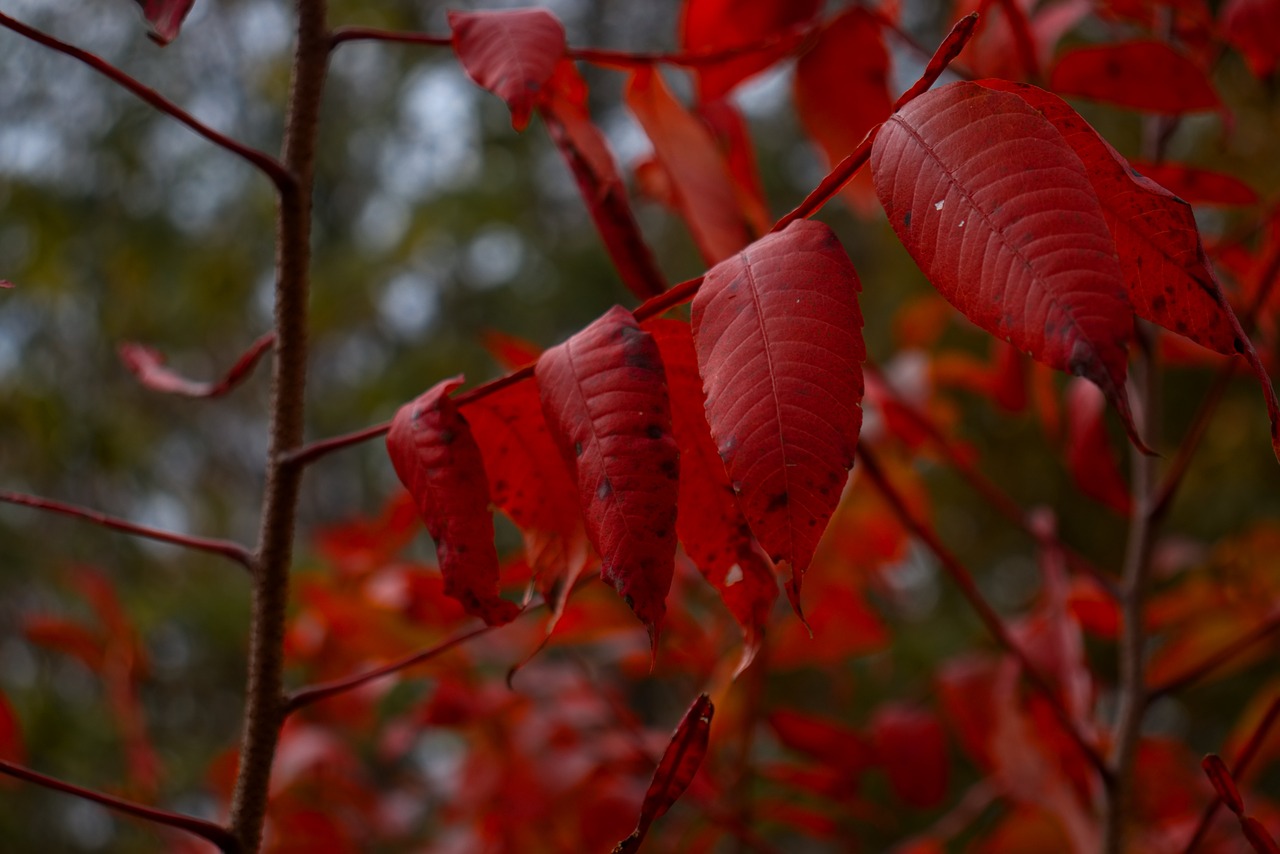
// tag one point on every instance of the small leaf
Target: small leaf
(999, 213)
(679, 764)
(512, 53)
(779, 340)
(699, 176)
(165, 17)
(715, 25)
(912, 749)
(604, 397)
(438, 461)
(1143, 75)
(147, 365)
(1223, 783)
(1090, 459)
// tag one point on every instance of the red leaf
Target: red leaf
(912, 749)
(842, 91)
(714, 25)
(828, 741)
(1258, 836)
(511, 352)
(1198, 186)
(734, 138)
(1143, 75)
(583, 147)
(605, 401)
(1253, 27)
(438, 461)
(700, 179)
(69, 638)
(1090, 458)
(11, 746)
(679, 764)
(998, 211)
(6, 284)
(147, 365)
(512, 53)
(709, 522)
(999, 47)
(1223, 783)
(165, 17)
(779, 340)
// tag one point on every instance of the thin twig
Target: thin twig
(222, 548)
(264, 162)
(969, 589)
(208, 831)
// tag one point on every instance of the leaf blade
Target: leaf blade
(512, 53)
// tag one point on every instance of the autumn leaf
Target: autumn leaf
(715, 25)
(779, 340)
(147, 364)
(1253, 28)
(680, 762)
(512, 53)
(1145, 75)
(911, 747)
(999, 213)
(1197, 185)
(438, 461)
(165, 17)
(709, 522)
(702, 187)
(1090, 458)
(604, 397)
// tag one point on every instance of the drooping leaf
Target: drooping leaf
(911, 747)
(583, 146)
(1196, 185)
(699, 177)
(730, 130)
(1145, 75)
(147, 365)
(842, 91)
(1013, 39)
(511, 352)
(680, 762)
(165, 17)
(1253, 28)
(779, 340)
(717, 25)
(604, 396)
(709, 522)
(438, 461)
(512, 53)
(1223, 783)
(1090, 459)
(999, 213)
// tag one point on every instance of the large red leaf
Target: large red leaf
(604, 396)
(438, 461)
(999, 213)
(842, 91)
(1143, 75)
(165, 17)
(1253, 27)
(512, 53)
(714, 25)
(583, 147)
(779, 340)
(709, 522)
(679, 763)
(699, 176)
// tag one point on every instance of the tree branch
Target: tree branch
(208, 831)
(265, 163)
(222, 548)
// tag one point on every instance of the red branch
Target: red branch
(267, 164)
(1246, 756)
(208, 831)
(223, 548)
(683, 292)
(969, 589)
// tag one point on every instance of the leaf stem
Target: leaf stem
(994, 624)
(208, 831)
(264, 162)
(222, 548)
(264, 700)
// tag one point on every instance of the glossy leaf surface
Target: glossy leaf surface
(779, 340)
(438, 461)
(605, 400)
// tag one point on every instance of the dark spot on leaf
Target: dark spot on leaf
(777, 502)
(653, 431)
(1159, 303)
(447, 436)
(577, 449)
(906, 219)
(605, 489)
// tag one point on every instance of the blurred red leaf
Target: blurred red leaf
(911, 747)
(165, 17)
(1090, 457)
(1196, 185)
(604, 397)
(824, 740)
(1145, 75)
(11, 745)
(1253, 28)
(512, 53)
(439, 462)
(147, 365)
(731, 132)
(714, 25)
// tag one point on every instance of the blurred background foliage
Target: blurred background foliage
(435, 222)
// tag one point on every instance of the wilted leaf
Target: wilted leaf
(438, 461)
(779, 340)
(604, 396)
(147, 365)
